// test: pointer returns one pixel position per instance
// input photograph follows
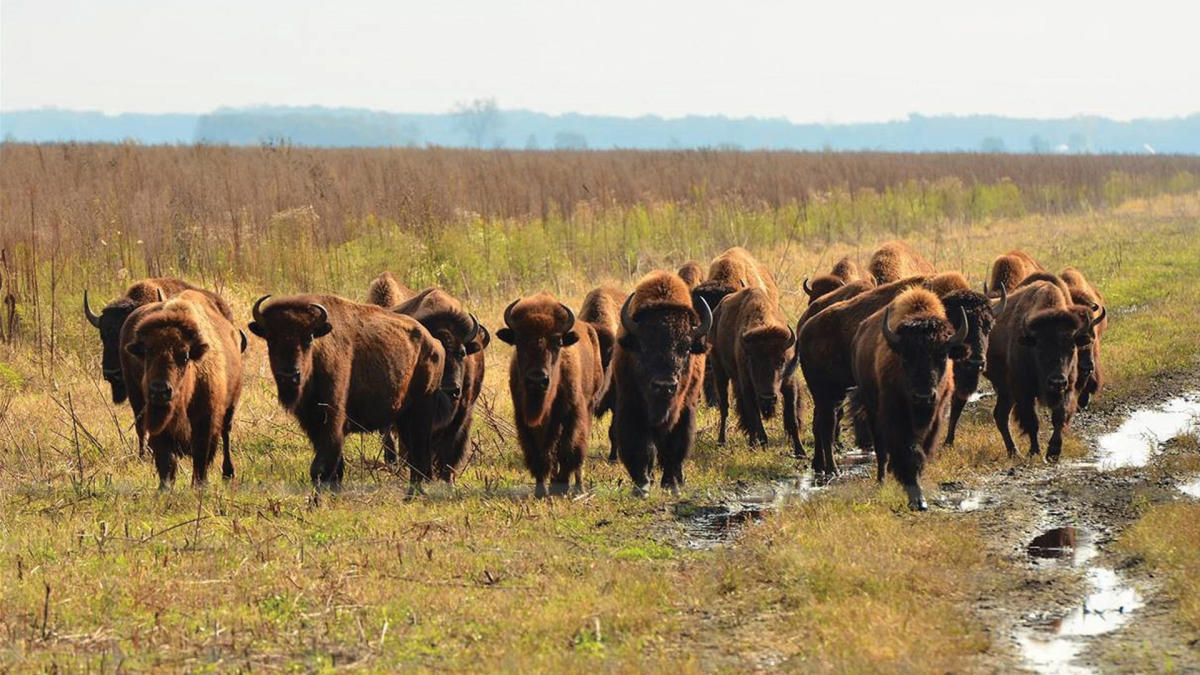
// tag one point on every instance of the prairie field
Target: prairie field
(752, 567)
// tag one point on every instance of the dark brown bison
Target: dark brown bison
(555, 377)
(1032, 358)
(1009, 270)
(1082, 292)
(386, 292)
(754, 346)
(904, 383)
(825, 357)
(960, 301)
(343, 367)
(463, 340)
(845, 271)
(602, 309)
(658, 370)
(734, 270)
(182, 360)
(896, 260)
(691, 273)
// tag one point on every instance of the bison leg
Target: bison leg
(227, 461)
(1058, 421)
(1001, 413)
(163, 449)
(139, 424)
(750, 416)
(791, 416)
(569, 454)
(453, 450)
(415, 427)
(824, 419)
(326, 469)
(613, 452)
(721, 393)
(633, 443)
(1027, 419)
(957, 404)
(673, 449)
(390, 456)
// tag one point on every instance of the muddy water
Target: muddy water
(1132, 443)
(1191, 489)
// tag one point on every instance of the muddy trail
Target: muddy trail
(1076, 605)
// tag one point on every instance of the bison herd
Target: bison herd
(895, 346)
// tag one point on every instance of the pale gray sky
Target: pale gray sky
(840, 60)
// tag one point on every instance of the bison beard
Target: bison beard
(659, 370)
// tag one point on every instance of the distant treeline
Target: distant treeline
(483, 124)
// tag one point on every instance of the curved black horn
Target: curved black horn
(508, 312)
(807, 289)
(705, 318)
(1103, 313)
(791, 338)
(627, 321)
(161, 297)
(92, 317)
(474, 329)
(322, 312)
(256, 311)
(245, 340)
(999, 306)
(960, 335)
(570, 318)
(888, 333)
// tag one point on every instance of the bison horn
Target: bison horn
(888, 333)
(322, 313)
(807, 289)
(474, 329)
(256, 311)
(999, 307)
(1103, 313)
(92, 317)
(960, 335)
(508, 312)
(570, 318)
(627, 321)
(791, 338)
(161, 297)
(705, 319)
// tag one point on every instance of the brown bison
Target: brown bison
(386, 292)
(845, 271)
(734, 270)
(658, 370)
(691, 273)
(900, 363)
(183, 360)
(754, 346)
(463, 340)
(1082, 292)
(343, 367)
(602, 309)
(1032, 358)
(825, 357)
(555, 377)
(896, 260)
(1009, 270)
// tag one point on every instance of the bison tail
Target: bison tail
(863, 439)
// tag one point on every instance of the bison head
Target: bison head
(109, 322)
(461, 335)
(826, 283)
(290, 332)
(539, 328)
(970, 358)
(768, 357)
(170, 350)
(923, 343)
(1086, 354)
(662, 341)
(1053, 338)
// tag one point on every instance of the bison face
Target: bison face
(970, 358)
(459, 342)
(924, 345)
(539, 334)
(662, 342)
(109, 323)
(169, 354)
(290, 333)
(1052, 339)
(768, 353)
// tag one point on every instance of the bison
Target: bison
(386, 292)
(343, 367)
(182, 361)
(602, 309)
(1082, 292)
(555, 377)
(463, 340)
(845, 271)
(658, 370)
(691, 273)
(754, 346)
(1009, 270)
(1032, 357)
(896, 260)
(900, 357)
(734, 270)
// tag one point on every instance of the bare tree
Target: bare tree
(479, 119)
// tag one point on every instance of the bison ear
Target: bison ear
(1027, 340)
(699, 346)
(569, 339)
(256, 328)
(322, 330)
(506, 335)
(138, 349)
(198, 351)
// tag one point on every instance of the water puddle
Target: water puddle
(1132, 444)
(1191, 489)
(1052, 645)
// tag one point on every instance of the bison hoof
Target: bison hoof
(916, 501)
(539, 491)
(642, 490)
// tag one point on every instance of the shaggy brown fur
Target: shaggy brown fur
(183, 359)
(734, 270)
(1083, 292)
(358, 369)
(112, 318)
(658, 372)
(386, 292)
(1032, 357)
(602, 309)
(825, 358)
(845, 271)
(463, 338)
(904, 382)
(691, 273)
(753, 346)
(896, 260)
(555, 377)
(1009, 270)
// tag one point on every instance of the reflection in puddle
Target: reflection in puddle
(1191, 489)
(1132, 443)
(1056, 543)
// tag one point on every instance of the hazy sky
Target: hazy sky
(839, 60)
